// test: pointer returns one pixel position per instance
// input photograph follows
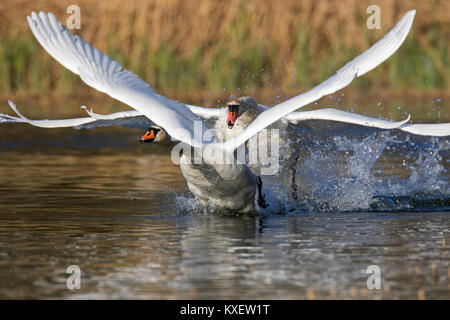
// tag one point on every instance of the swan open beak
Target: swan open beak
(232, 115)
(149, 136)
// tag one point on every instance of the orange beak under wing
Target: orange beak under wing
(149, 136)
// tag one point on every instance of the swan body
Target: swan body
(229, 185)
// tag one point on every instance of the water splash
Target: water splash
(363, 170)
(352, 173)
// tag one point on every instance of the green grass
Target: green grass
(25, 66)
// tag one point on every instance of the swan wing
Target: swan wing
(205, 113)
(63, 123)
(128, 119)
(343, 116)
(437, 130)
(365, 62)
(102, 73)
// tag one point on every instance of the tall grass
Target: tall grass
(237, 45)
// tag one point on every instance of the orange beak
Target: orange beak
(149, 136)
(232, 116)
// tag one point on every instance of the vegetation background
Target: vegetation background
(203, 51)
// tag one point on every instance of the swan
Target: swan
(227, 185)
(230, 186)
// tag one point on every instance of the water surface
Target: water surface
(122, 213)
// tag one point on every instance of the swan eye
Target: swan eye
(233, 107)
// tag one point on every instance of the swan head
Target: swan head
(233, 112)
(238, 107)
(153, 134)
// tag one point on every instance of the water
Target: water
(122, 213)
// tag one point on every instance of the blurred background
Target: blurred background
(204, 51)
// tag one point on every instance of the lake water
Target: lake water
(121, 212)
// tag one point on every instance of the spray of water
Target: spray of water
(368, 170)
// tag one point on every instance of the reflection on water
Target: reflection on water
(99, 200)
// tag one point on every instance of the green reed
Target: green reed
(25, 66)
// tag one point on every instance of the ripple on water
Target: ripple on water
(124, 216)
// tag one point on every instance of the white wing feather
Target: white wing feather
(113, 116)
(106, 75)
(343, 116)
(128, 119)
(205, 113)
(437, 130)
(365, 62)
(44, 123)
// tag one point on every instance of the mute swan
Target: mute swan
(232, 185)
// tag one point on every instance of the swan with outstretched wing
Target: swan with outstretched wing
(231, 185)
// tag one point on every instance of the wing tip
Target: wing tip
(12, 105)
(14, 108)
(42, 14)
(411, 15)
(408, 118)
(411, 12)
(409, 19)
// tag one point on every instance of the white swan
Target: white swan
(230, 186)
